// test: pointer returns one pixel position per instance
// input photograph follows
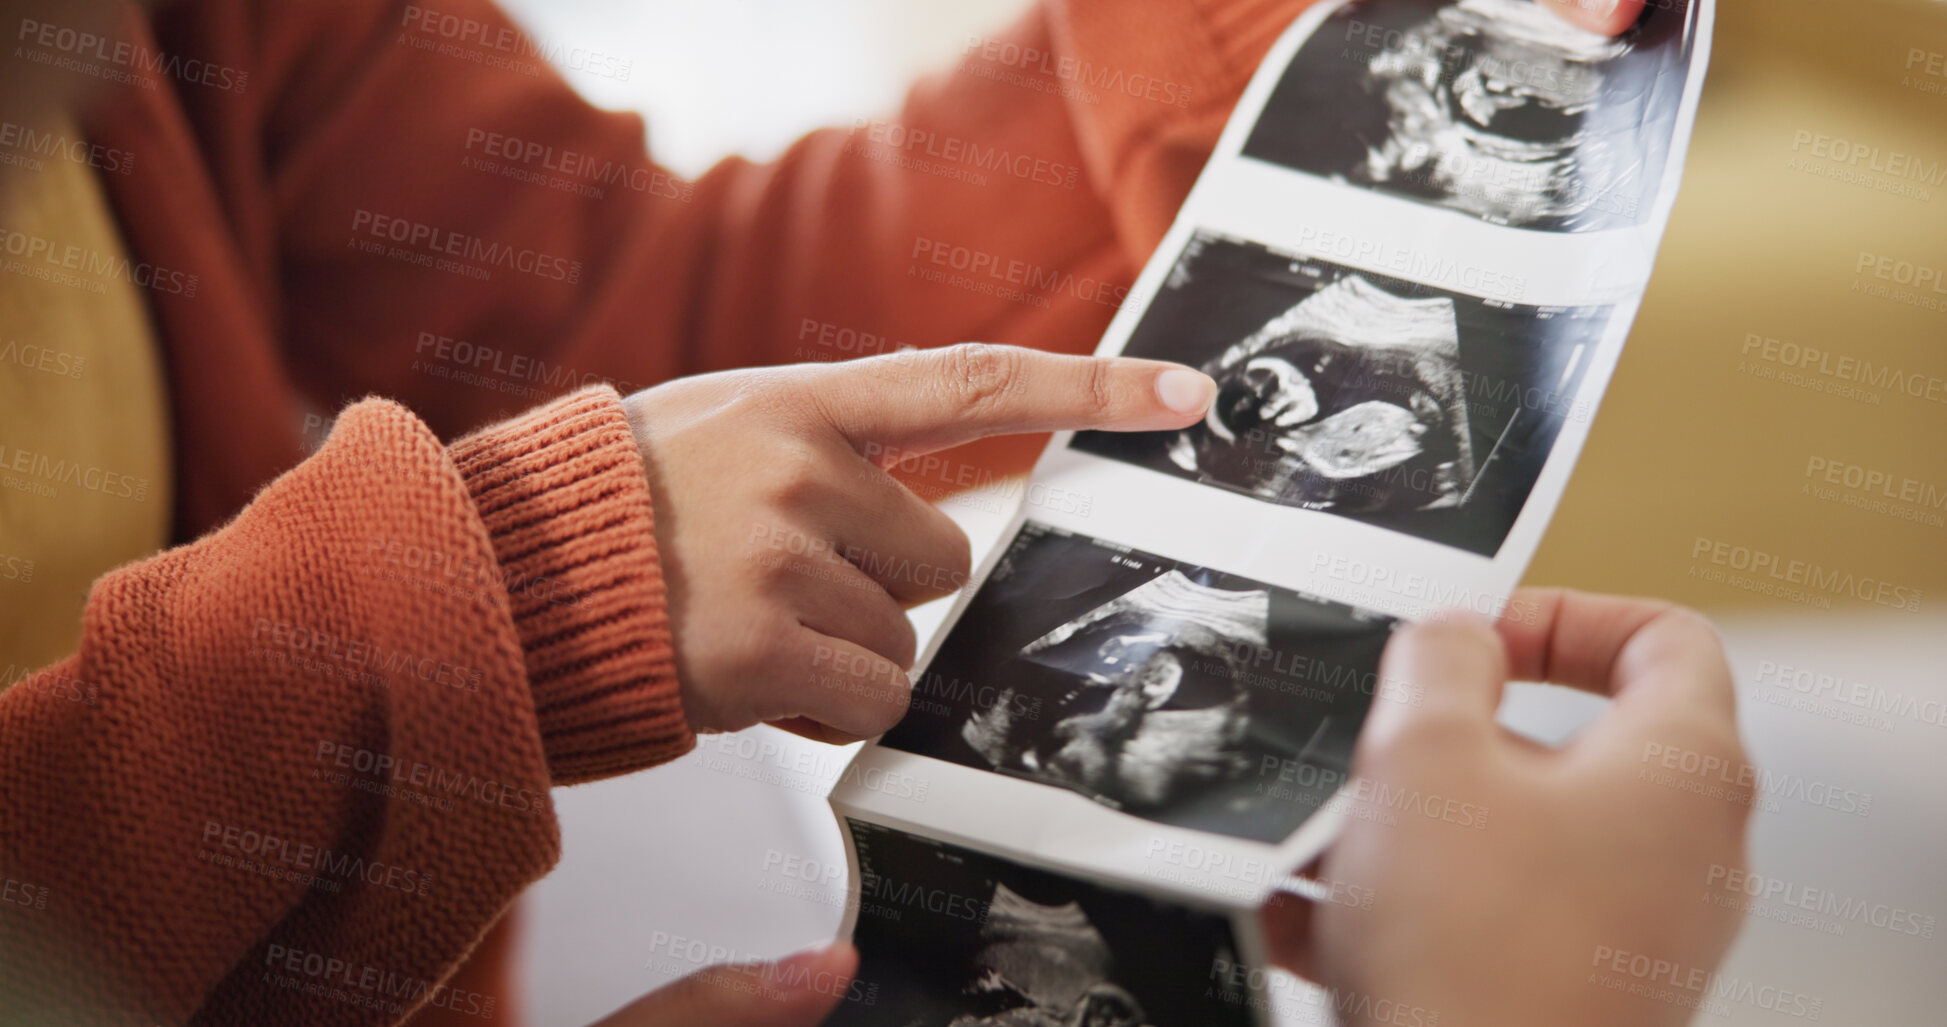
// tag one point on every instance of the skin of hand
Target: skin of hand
(790, 554)
(1568, 869)
(1608, 17)
(800, 991)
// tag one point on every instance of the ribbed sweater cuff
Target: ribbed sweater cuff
(563, 494)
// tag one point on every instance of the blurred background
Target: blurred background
(1730, 408)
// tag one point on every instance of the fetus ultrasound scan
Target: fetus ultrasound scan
(1400, 405)
(1495, 108)
(950, 937)
(1172, 692)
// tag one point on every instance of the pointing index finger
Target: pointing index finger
(925, 400)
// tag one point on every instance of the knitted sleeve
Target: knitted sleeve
(299, 765)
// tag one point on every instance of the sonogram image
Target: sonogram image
(1497, 108)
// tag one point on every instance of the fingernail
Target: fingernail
(1185, 391)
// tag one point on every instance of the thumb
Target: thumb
(1457, 664)
(925, 400)
(800, 991)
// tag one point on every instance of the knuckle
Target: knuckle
(980, 375)
(778, 653)
(886, 715)
(885, 669)
(903, 646)
(958, 558)
(781, 576)
(1100, 384)
(783, 651)
(880, 718)
(758, 572)
(949, 554)
(752, 395)
(795, 484)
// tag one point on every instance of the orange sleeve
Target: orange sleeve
(437, 194)
(299, 766)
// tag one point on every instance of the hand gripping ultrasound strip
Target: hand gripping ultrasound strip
(1410, 265)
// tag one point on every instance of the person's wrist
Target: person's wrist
(562, 492)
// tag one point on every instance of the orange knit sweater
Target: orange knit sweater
(302, 762)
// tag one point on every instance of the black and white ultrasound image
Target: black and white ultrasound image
(1403, 406)
(949, 937)
(1172, 692)
(1496, 108)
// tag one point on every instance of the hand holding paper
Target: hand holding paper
(1597, 852)
(790, 552)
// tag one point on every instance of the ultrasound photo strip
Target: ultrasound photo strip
(1399, 405)
(953, 937)
(1411, 265)
(1179, 694)
(1415, 414)
(1497, 109)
